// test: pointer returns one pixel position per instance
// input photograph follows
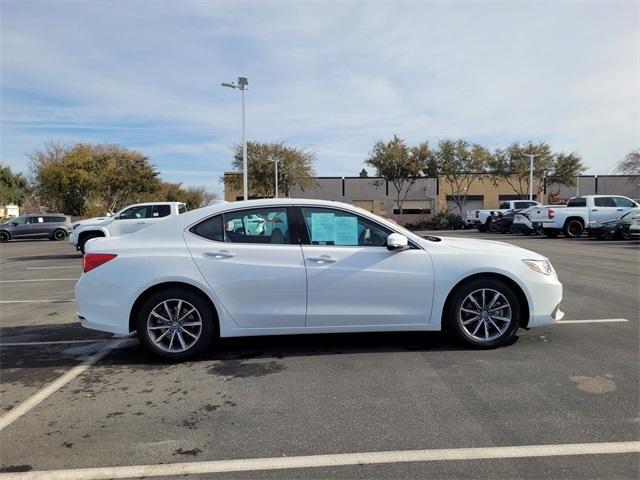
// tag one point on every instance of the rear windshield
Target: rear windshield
(577, 202)
(182, 209)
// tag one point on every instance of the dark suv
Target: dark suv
(44, 225)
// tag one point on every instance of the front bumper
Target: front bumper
(545, 295)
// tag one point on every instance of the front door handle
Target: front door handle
(322, 259)
(594, 210)
(620, 209)
(220, 254)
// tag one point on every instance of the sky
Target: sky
(333, 77)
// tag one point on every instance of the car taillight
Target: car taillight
(94, 260)
(552, 214)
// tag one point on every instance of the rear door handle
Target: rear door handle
(594, 210)
(220, 254)
(620, 209)
(322, 259)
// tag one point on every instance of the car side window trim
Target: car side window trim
(294, 235)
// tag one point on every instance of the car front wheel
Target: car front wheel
(176, 323)
(484, 313)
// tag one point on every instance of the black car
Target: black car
(502, 222)
(54, 226)
(618, 228)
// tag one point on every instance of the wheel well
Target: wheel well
(161, 286)
(580, 219)
(524, 304)
(92, 233)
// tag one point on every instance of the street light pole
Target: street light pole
(242, 85)
(531, 157)
(276, 162)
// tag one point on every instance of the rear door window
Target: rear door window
(604, 202)
(182, 209)
(260, 225)
(159, 211)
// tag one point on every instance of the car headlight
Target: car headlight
(540, 266)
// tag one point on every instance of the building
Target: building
(9, 211)
(430, 195)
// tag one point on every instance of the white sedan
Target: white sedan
(316, 267)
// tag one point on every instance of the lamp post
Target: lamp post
(275, 161)
(531, 157)
(242, 85)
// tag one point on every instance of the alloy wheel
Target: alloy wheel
(485, 314)
(174, 325)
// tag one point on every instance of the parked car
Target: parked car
(128, 220)
(324, 267)
(617, 228)
(481, 218)
(501, 222)
(634, 228)
(54, 226)
(580, 213)
(522, 222)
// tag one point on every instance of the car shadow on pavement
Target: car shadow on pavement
(65, 256)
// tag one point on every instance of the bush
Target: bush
(443, 220)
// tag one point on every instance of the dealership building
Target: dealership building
(429, 195)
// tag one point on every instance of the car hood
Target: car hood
(489, 247)
(95, 221)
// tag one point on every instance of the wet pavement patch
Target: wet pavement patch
(240, 369)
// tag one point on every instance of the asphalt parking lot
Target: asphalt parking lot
(282, 397)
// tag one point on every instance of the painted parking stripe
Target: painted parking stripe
(336, 460)
(41, 280)
(52, 268)
(41, 395)
(599, 320)
(51, 342)
(37, 301)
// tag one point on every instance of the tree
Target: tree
(92, 178)
(193, 197)
(14, 187)
(399, 164)
(460, 163)
(512, 166)
(630, 165)
(295, 168)
(364, 173)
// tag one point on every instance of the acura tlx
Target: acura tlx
(296, 266)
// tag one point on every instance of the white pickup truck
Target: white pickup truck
(481, 218)
(579, 213)
(128, 220)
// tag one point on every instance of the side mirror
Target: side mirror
(14, 224)
(395, 241)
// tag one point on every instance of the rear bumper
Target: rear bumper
(104, 308)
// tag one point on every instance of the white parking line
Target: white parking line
(336, 460)
(16, 412)
(600, 320)
(52, 342)
(37, 301)
(51, 268)
(41, 280)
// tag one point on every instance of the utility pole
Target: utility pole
(242, 85)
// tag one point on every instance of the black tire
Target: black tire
(625, 234)
(454, 316)
(482, 228)
(83, 241)
(58, 235)
(208, 332)
(4, 236)
(551, 233)
(573, 228)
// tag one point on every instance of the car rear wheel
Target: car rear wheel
(4, 237)
(484, 313)
(58, 235)
(176, 323)
(573, 228)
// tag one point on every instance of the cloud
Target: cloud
(333, 77)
